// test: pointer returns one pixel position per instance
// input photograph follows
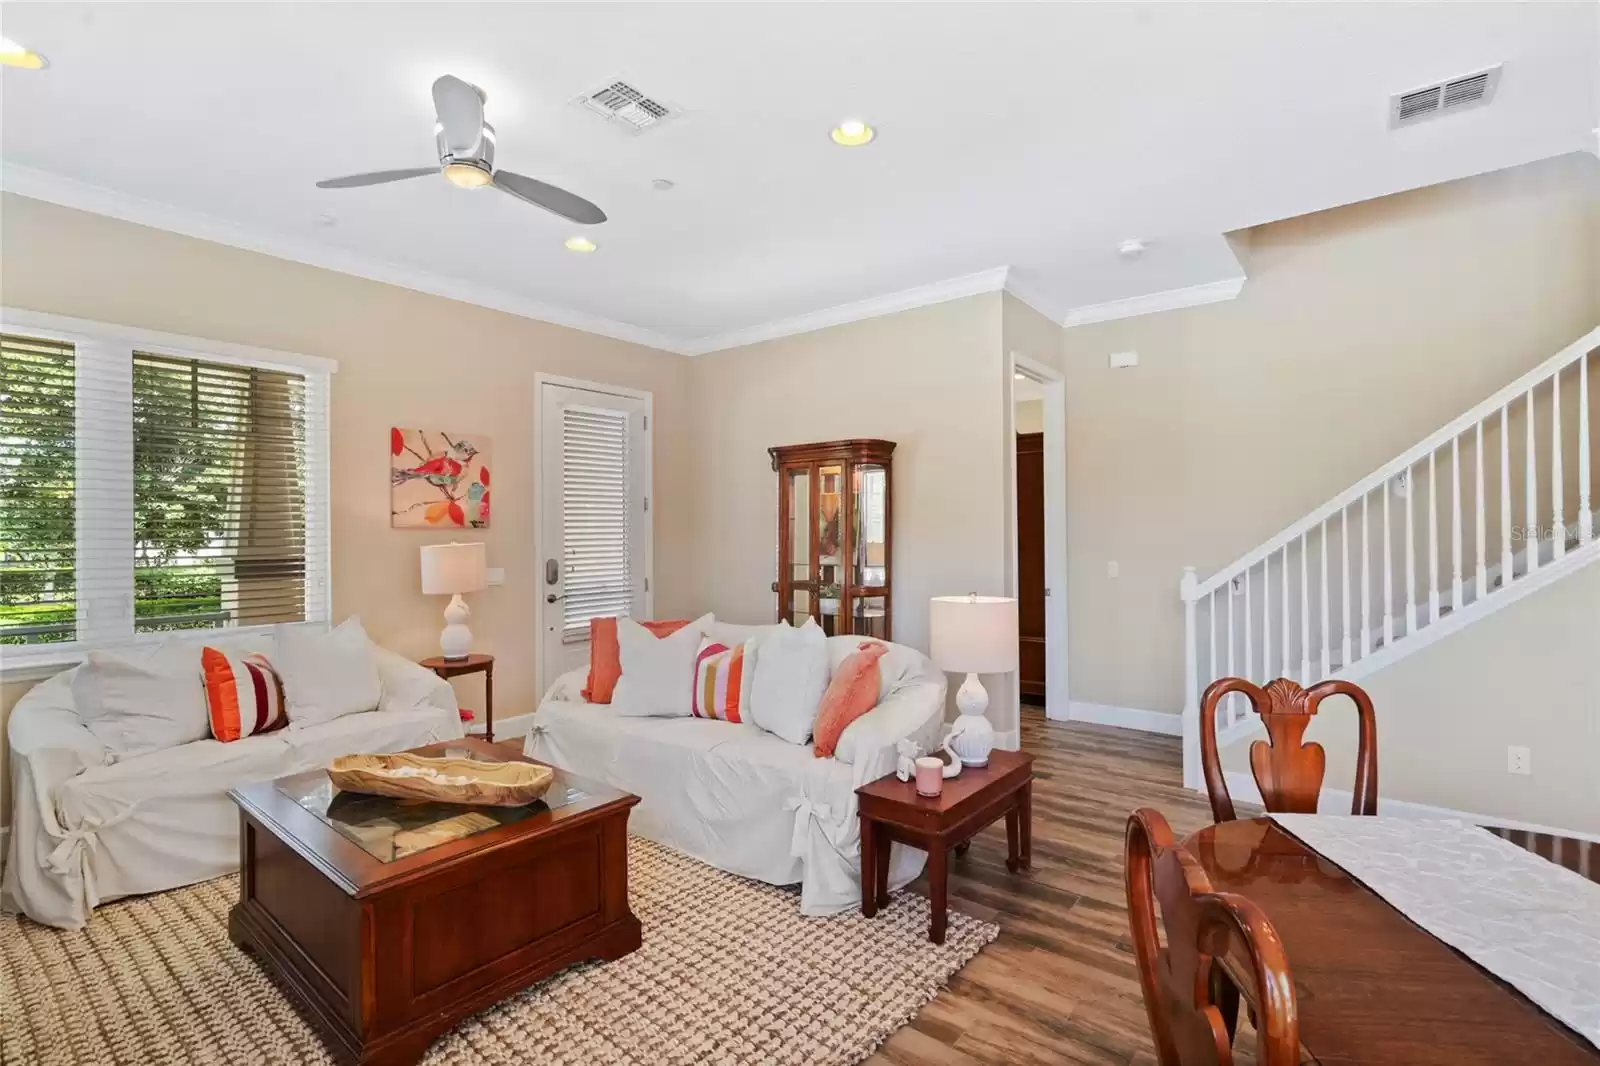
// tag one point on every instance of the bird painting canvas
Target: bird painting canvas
(438, 480)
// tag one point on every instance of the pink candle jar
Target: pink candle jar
(930, 776)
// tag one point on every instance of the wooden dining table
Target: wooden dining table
(1373, 988)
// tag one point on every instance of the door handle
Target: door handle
(552, 598)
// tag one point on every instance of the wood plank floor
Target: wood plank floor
(1058, 985)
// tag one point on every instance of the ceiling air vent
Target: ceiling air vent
(626, 106)
(1469, 90)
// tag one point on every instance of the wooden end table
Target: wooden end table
(472, 664)
(391, 921)
(893, 813)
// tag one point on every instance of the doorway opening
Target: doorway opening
(1038, 533)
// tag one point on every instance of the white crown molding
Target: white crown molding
(96, 199)
(1212, 292)
(937, 292)
(1035, 300)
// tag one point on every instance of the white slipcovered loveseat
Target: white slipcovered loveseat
(745, 800)
(86, 828)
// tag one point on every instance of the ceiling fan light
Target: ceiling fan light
(467, 176)
(852, 133)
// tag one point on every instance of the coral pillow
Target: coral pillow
(605, 655)
(243, 694)
(852, 693)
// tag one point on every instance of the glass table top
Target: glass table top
(390, 829)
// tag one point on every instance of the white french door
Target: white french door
(594, 507)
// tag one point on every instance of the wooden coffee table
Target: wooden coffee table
(892, 812)
(388, 926)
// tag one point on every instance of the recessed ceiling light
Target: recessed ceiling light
(1131, 249)
(1020, 377)
(663, 184)
(580, 244)
(13, 54)
(853, 133)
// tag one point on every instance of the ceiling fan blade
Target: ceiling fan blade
(376, 177)
(569, 206)
(459, 106)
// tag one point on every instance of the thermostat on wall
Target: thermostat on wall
(1123, 359)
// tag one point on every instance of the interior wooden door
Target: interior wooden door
(1030, 564)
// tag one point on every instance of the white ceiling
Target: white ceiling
(1028, 136)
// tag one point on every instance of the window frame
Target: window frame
(106, 350)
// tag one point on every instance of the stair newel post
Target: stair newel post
(1187, 588)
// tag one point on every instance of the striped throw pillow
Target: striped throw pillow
(719, 681)
(243, 694)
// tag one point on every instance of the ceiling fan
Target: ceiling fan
(466, 158)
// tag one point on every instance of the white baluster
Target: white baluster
(1482, 531)
(1284, 667)
(1586, 519)
(1249, 640)
(1388, 569)
(1366, 581)
(1530, 511)
(1455, 524)
(1344, 584)
(1305, 614)
(1211, 620)
(1433, 536)
(1411, 552)
(1505, 497)
(1233, 699)
(1326, 664)
(1266, 619)
(1558, 503)
(1585, 511)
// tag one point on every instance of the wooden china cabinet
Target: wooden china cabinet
(835, 563)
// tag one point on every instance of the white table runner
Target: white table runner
(1531, 923)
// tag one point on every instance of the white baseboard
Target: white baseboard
(1170, 725)
(1242, 787)
(505, 728)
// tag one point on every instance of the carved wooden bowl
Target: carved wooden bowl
(465, 781)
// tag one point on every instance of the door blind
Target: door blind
(220, 475)
(38, 498)
(597, 572)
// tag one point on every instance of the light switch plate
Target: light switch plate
(1519, 760)
(1112, 569)
(496, 575)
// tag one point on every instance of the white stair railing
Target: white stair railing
(1365, 579)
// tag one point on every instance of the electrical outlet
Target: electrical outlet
(1519, 760)
(495, 575)
(1112, 569)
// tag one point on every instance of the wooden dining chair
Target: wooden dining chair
(1287, 770)
(1190, 1000)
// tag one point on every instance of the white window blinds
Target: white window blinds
(598, 575)
(149, 489)
(38, 474)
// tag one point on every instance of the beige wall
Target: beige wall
(1527, 676)
(1030, 416)
(1360, 331)
(405, 359)
(931, 380)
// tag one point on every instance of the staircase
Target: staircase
(1492, 507)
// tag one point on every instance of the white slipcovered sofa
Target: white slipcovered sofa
(86, 829)
(742, 799)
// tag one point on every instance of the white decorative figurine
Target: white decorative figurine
(905, 764)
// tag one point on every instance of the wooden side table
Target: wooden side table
(893, 813)
(472, 664)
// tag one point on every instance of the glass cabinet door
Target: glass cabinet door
(869, 542)
(830, 546)
(797, 541)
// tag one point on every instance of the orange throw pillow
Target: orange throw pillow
(852, 693)
(605, 655)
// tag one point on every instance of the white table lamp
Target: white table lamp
(449, 570)
(973, 635)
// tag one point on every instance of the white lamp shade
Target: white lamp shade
(973, 634)
(452, 568)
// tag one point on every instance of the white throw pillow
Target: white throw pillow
(143, 700)
(657, 672)
(791, 677)
(327, 675)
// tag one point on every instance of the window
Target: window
(149, 487)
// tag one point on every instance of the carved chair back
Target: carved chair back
(1287, 770)
(1191, 1002)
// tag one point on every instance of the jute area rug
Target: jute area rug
(730, 973)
